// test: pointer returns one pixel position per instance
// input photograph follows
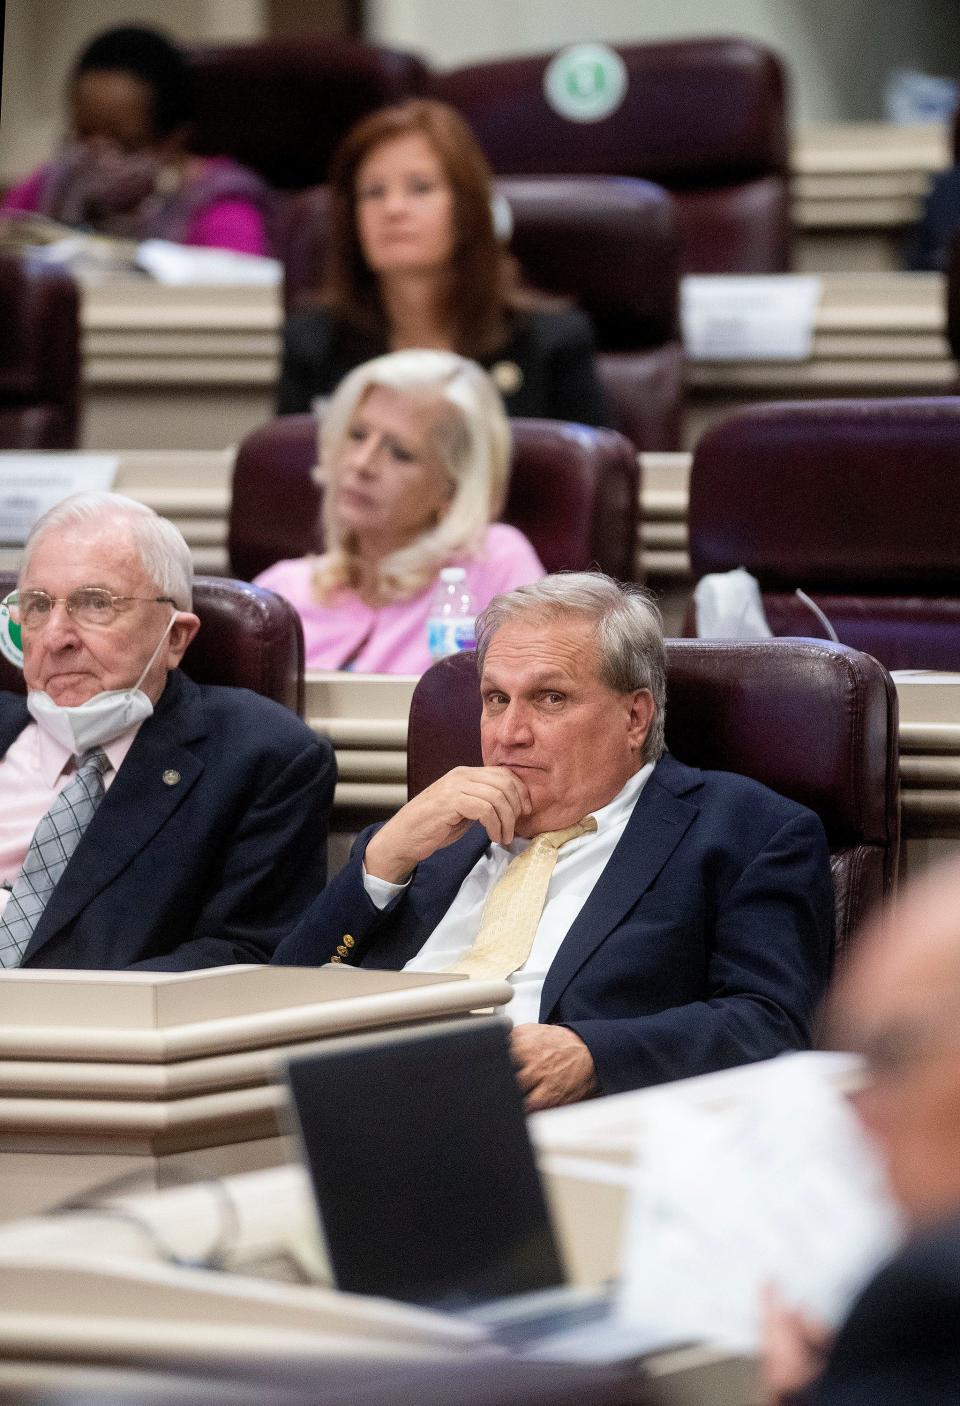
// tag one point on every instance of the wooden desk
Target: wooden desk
(185, 368)
(95, 1289)
(929, 767)
(98, 1290)
(858, 187)
(192, 369)
(875, 334)
(107, 1073)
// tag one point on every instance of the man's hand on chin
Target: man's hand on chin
(440, 814)
(554, 1066)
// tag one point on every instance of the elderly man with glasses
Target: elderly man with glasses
(145, 820)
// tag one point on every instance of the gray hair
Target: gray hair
(629, 632)
(473, 441)
(163, 553)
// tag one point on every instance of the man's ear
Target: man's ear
(185, 626)
(642, 711)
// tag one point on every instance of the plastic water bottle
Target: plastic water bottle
(452, 622)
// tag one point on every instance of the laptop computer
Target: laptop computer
(425, 1179)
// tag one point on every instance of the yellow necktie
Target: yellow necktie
(512, 911)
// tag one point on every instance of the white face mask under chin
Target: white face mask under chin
(102, 718)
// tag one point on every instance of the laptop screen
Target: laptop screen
(424, 1175)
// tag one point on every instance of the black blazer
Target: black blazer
(900, 1345)
(545, 370)
(705, 943)
(204, 872)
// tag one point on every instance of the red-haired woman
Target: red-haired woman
(414, 262)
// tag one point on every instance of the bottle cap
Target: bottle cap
(452, 573)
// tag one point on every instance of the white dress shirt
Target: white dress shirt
(580, 863)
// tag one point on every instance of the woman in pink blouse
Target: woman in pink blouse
(126, 171)
(415, 459)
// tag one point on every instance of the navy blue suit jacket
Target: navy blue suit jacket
(210, 870)
(705, 943)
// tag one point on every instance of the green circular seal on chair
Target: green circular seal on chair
(586, 82)
(11, 646)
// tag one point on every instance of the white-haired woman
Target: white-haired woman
(415, 458)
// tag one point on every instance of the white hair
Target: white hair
(629, 630)
(163, 552)
(473, 443)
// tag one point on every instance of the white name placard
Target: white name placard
(755, 317)
(30, 483)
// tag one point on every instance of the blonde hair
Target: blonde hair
(473, 443)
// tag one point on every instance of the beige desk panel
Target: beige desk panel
(78, 1103)
(186, 368)
(329, 1001)
(858, 187)
(194, 369)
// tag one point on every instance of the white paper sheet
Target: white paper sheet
(183, 264)
(780, 1187)
(762, 317)
(32, 483)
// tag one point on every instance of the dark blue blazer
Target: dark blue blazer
(900, 1345)
(210, 870)
(705, 943)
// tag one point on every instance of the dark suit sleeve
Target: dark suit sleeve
(768, 958)
(344, 906)
(900, 1345)
(273, 865)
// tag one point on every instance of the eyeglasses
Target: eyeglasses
(88, 605)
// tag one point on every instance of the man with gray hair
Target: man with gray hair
(655, 921)
(145, 820)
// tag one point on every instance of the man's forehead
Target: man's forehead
(536, 648)
(97, 553)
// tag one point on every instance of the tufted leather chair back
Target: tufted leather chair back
(282, 106)
(39, 357)
(248, 638)
(854, 501)
(574, 492)
(814, 721)
(704, 117)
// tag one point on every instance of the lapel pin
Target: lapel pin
(171, 777)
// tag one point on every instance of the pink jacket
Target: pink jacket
(393, 639)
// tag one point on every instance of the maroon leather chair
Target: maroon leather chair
(281, 106)
(574, 491)
(609, 244)
(815, 722)
(248, 638)
(855, 502)
(704, 117)
(39, 357)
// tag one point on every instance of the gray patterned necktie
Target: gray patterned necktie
(54, 840)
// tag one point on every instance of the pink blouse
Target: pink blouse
(393, 638)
